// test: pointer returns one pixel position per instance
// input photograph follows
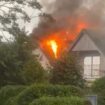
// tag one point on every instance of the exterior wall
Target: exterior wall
(85, 44)
(42, 58)
(82, 54)
(102, 66)
(86, 47)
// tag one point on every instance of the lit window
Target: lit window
(91, 66)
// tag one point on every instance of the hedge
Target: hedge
(8, 92)
(37, 91)
(59, 101)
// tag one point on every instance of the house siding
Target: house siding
(86, 47)
(85, 44)
(102, 65)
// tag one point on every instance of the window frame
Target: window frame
(92, 70)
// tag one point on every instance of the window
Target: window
(87, 66)
(91, 66)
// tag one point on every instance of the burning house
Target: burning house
(63, 22)
(60, 27)
(90, 47)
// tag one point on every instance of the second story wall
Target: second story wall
(84, 44)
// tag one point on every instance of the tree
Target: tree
(13, 11)
(67, 71)
(13, 55)
(15, 58)
(16, 55)
(8, 64)
(33, 72)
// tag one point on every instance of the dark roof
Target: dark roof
(98, 37)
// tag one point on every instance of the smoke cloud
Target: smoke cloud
(70, 13)
(65, 19)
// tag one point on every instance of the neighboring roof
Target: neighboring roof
(98, 37)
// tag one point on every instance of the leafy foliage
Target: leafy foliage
(16, 55)
(67, 71)
(36, 91)
(13, 56)
(8, 92)
(98, 88)
(8, 64)
(58, 101)
(11, 11)
(33, 72)
(99, 85)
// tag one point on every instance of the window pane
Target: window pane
(87, 60)
(87, 70)
(96, 60)
(87, 67)
(95, 72)
(96, 65)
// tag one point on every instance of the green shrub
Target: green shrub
(99, 85)
(8, 92)
(33, 72)
(10, 101)
(67, 71)
(98, 88)
(37, 91)
(58, 101)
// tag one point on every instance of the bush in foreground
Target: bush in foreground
(98, 88)
(59, 101)
(37, 91)
(8, 92)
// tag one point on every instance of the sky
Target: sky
(50, 6)
(29, 26)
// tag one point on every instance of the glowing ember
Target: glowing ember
(54, 46)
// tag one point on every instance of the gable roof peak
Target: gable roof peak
(97, 36)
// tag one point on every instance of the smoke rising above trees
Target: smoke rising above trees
(91, 12)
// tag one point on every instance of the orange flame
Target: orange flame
(54, 46)
(56, 43)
